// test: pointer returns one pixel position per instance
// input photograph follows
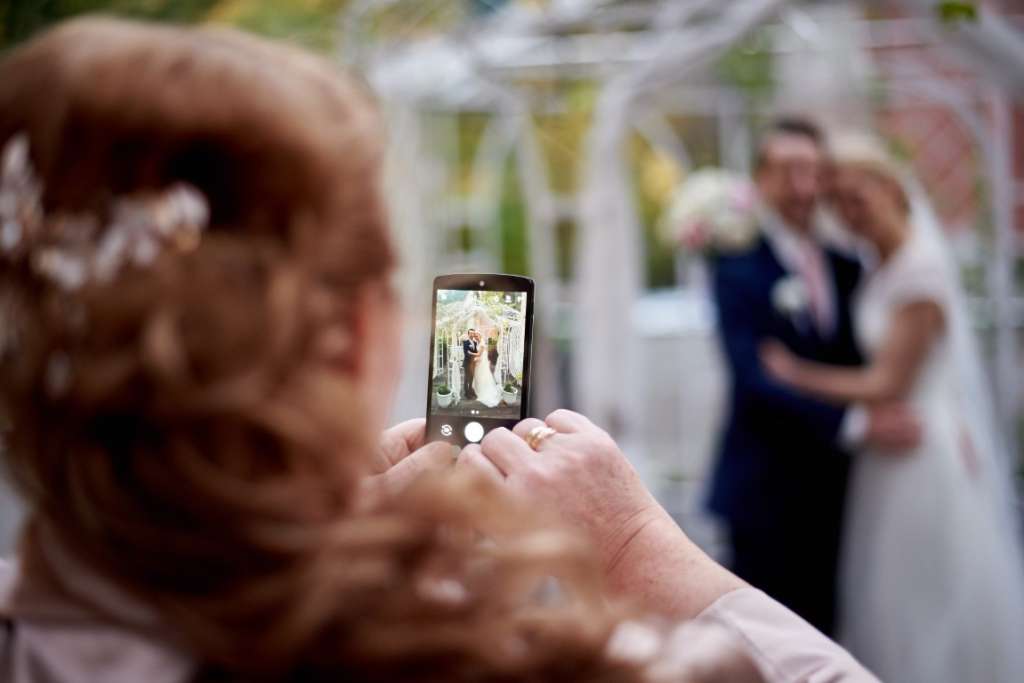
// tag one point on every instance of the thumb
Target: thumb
(398, 442)
(433, 457)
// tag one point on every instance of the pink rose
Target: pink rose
(696, 235)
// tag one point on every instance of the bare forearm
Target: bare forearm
(845, 385)
(892, 374)
(666, 572)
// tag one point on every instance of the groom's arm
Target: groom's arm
(741, 325)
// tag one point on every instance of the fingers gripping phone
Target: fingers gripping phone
(480, 352)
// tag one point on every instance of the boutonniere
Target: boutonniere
(789, 297)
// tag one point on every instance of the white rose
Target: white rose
(736, 233)
(714, 211)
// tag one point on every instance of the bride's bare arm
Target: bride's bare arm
(889, 377)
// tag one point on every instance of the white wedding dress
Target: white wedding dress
(931, 575)
(487, 391)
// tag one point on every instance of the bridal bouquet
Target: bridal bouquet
(714, 212)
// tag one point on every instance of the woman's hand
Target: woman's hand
(580, 474)
(402, 455)
(779, 362)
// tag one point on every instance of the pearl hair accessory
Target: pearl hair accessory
(73, 250)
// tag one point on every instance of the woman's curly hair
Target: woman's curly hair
(174, 429)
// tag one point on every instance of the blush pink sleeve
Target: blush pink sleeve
(783, 646)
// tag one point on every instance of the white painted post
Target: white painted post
(1001, 275)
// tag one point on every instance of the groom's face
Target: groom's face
(791, 177)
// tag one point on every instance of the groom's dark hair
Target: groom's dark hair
(788, 125)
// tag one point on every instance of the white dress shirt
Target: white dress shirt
(804, 256)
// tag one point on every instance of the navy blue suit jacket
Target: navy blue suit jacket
(779, 458)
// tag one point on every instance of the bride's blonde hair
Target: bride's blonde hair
(170, 429)
(864, 151)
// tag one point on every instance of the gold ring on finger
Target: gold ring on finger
(538, 434)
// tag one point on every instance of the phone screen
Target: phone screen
(479, 356)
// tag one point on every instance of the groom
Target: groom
(780, 480)
(469, 353)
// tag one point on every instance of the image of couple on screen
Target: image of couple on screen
(478, 361)
(479, 347)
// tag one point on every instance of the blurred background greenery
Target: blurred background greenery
(312, 23)
(316, 25)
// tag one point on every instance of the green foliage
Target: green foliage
(512, 225)
(953, 11)
(562, 132)
(397, 23)
(451, 305)
(565, 248)
(511, 388)
(444, 389)
(462, 239)
(494, 303)
(676, 476)
(749, 67)
(659, 257)
(471, 127)
(20, 19)
(311, 23)
(975, 279)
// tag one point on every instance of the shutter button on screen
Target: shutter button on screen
(474, 431)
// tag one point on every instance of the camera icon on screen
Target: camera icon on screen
(446, 430)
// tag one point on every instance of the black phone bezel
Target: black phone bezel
(479, 282)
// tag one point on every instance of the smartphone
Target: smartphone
(480, 351)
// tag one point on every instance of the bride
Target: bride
(931, 572)
(487, 391)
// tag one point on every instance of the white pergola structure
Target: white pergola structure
(650, 60)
